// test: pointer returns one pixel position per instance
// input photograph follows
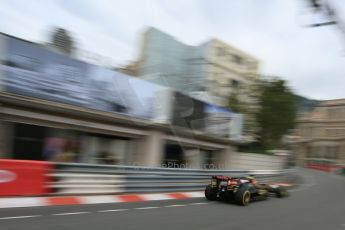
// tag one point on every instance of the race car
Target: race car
(241, 190)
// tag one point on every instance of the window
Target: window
(237, 59)
(336, 113)
(251, 65)
(221, 51)
(335, 132)
(235, 84)
(209, 160)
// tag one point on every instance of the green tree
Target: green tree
(244, 101)
(276, 114)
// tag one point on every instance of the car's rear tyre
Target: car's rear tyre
(242, 196)
(210, 193)
(282, 192)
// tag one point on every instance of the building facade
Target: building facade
(214, 67)
(322, 133)
(36, 129)
(57, 108)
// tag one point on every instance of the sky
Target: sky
(312, 60)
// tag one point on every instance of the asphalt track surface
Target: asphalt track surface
(317, 204)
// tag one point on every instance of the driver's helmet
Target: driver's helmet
(252, 179)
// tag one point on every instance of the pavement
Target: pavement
(318, 203)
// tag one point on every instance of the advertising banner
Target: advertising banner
(39, 71)
(32, 70)
(23, 177)
(184, 111)
(188, 112)
(218, 120)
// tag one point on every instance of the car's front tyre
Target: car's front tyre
(242, 196)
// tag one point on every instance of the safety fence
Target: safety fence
(326, 165)
(75, 178)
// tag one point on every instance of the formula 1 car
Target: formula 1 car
(241, 190)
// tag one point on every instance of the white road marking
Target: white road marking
(69, 213)
(22, 202)
(104, 211)
(201, 203)
(113, 210)
(175, 205)
(98, 199)
(143, 208)
(18, 217)
(156, 197)
(194, 194)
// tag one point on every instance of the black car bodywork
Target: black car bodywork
(241, 190)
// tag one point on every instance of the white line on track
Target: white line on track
(69, 213)
(113, 210)
(143, 208)
(175, 205)
(104, 211)
(201, 203)
(18, 217)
